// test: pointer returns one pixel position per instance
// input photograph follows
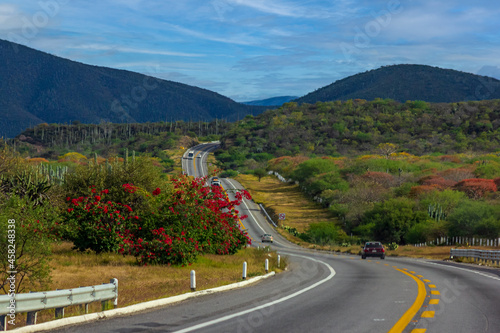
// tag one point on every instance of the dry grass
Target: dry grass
(285, 198)
(143, 283)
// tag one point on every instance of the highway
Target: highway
(328, 292)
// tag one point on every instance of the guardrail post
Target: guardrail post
(244, 276)
(279, 258)
(115, 301)
(59, 313)
(31, 318)
(266, 265)
(193, 280)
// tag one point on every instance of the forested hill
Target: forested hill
(358, 126)
(37, 87)
(409, 83)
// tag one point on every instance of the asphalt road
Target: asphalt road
(326, 292)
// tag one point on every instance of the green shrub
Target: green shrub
(35, 230)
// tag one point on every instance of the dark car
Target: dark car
(373, 249)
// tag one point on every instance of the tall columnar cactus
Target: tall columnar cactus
(436, 212)
(126, 157)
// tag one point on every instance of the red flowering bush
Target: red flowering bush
(96, 223)
(181, 224)
(193, 219)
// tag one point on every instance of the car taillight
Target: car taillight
(383, 250)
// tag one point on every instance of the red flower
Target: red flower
(106, 191)
(157, 191)
(97, 198)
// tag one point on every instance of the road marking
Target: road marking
(434, 301)
(463, 269)
(435, 292)
(427, 280)
(419, 330)
(432, 286)
(412, 311)
(286, 298)
(428, 314)
(246, 206)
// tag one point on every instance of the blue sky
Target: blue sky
(255, 49)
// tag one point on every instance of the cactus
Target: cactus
(436, 212)
(126, 157)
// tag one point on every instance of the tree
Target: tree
(386, 149)
(313, 167)
(393, 218)
(260, 173)
(476, 188)
(474, 218)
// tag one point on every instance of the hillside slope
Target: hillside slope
(409, 82)
(38, 87)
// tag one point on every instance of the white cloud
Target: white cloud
(98, 47)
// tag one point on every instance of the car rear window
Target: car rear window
(373, 245)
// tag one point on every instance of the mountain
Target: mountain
(409, 82)
(273, 101)
(37, 87)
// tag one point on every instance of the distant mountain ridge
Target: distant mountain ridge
(37, 87)
(273, 101)
(409, 82)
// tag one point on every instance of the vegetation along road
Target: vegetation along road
(327, 292)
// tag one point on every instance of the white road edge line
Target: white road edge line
(241, 313)
(249, 211)
(464, 269)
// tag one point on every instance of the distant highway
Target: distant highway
(326, 292)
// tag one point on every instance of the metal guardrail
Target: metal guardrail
(267, 216)
(481, 255)
(31, 303)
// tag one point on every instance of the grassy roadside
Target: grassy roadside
(139, 284)
(300, 211)
(285, 198)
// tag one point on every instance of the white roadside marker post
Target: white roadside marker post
(244, 271)
(193, 280)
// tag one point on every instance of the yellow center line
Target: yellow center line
(412, 311)
(194, 162)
